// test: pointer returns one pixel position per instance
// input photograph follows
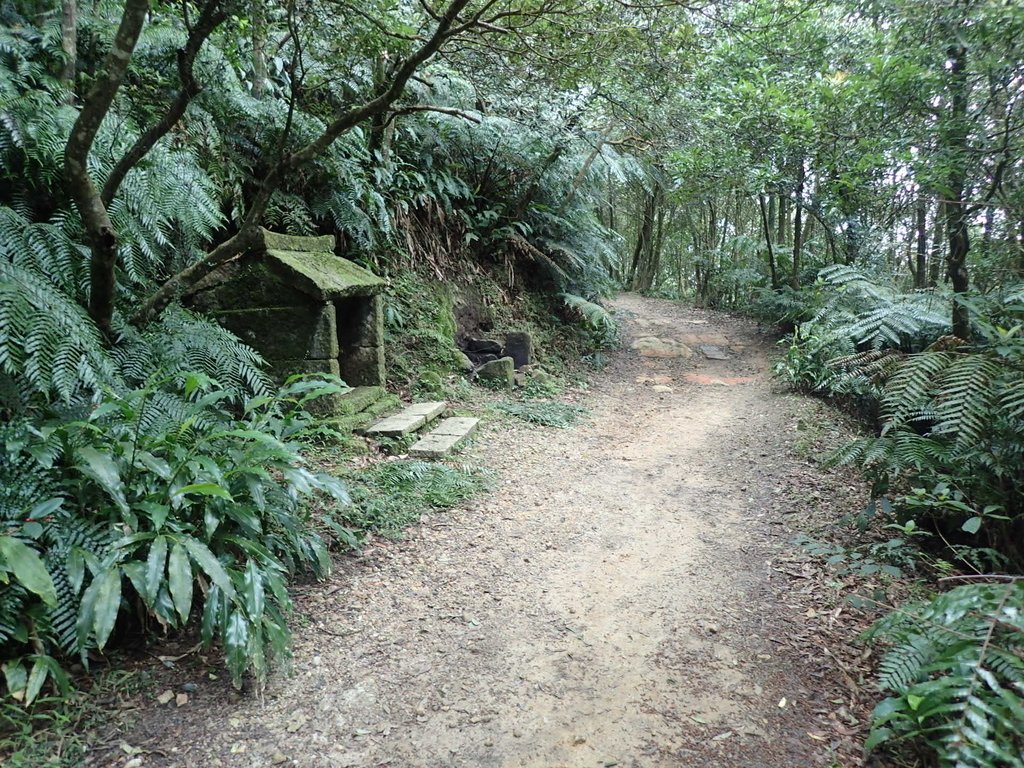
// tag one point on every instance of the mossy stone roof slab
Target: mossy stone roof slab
(324, 275)
(309, 264)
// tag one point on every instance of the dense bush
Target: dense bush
(946, 461)
(155, 506)
(955, 669)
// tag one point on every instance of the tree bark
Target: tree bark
(935, 254)
(765, 215)
(69, 44)
(259, 54)
(642, 270)
(798, 220)
(99, 229)
(211, 16)
(955, 137)
(920, 270)
(780, 236)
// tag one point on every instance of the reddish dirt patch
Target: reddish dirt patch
(706, 378)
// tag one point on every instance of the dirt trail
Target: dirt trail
(610, 604)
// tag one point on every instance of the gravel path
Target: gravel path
(612, 603)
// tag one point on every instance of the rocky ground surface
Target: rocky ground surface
(628, 595)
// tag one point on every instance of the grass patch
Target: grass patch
(548, 413)
(391, 495)
(60, 732)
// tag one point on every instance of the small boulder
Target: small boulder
(499, 373)
(543, 380)
(652, 346)
(463, 362)
(519, 346)
(430, 381)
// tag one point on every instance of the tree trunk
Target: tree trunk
(955, 137)
(809, 228)
(780, 236)
(645, 255)
(766, 214)
(259, 53)
(69, 44)
(935, 254)
(99, 229)
(801, 176)
(920, 270)
(712, 226)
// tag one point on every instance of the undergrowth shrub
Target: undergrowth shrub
(547, 413)
(950, 448)
(158, 506)
(946, 466)
(599, 325)
(856, 322)
(955, 671)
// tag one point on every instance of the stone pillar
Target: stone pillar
(519, 346)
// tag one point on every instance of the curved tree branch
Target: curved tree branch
(449, 25)
(212, 15)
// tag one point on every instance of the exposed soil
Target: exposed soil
(627, 596)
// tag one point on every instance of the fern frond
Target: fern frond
(47, 341)
(956, 667)
(964, 398)
(908, 390)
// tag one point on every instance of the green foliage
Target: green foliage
(391, 495)
(419, 329)
(163, 503)
(875, 315)
(601, 327)
(785, 308)
(547, 413)
(955, 669)
(850, 344)
(47, 341)
(890, 557)
(952, 420)
(59, 731)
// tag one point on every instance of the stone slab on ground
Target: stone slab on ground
(713, 352)
(407, 420)
(456, 425)
(444, 438)
(652, 346)
(358, 422)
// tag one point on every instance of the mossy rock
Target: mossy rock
(498, 374)
(430, 381)
(359, 399)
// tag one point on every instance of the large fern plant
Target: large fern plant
(953, 417)
(164, 506)
(955, 669)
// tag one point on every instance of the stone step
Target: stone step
(357, 422)
(444, 438)
(358, 400)
(407, 420)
